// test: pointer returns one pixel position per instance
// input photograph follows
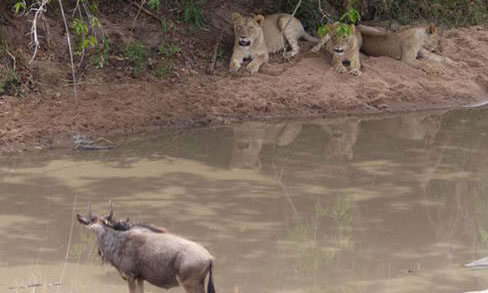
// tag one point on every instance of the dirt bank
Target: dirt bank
(306, 86)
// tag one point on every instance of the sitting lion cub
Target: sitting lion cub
(344, 50)
(406, 45)
(258, 36)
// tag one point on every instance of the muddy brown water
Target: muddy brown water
(351, 204)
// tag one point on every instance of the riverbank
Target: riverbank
(304, 87)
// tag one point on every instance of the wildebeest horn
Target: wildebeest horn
(90, 217)
(111, 213)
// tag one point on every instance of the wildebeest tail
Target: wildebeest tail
(210, 287)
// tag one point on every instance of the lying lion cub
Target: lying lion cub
(258, 36)
(406, 45)
(344, 50)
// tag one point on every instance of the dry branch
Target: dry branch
(144, 10)
(13, 59)
(38, 12)
(211, 65)
(287, 23)
(324, 14)
(137, 15)
(73, 74)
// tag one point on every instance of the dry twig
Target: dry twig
(286, 26)
(70, 49)
(144, 10)
(213, 61)
(137, 15)
(324, 14)
(38, 12)
(13, 59)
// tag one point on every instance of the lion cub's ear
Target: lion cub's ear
(236, 18)
(432, 29)
(259, 19)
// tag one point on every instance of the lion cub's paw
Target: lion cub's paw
(290, 54)
(356, 72)
(340, 69)
(234, 67)
(253, 68)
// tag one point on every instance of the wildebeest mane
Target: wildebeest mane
(125, 225)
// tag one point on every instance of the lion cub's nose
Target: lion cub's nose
(243, 37)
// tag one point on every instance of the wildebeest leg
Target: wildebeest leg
(140, 286)
(201, 286)
(191, 286)
(195, 288)
(132, 286)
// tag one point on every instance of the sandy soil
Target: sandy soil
(306, 86)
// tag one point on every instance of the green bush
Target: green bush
(445, 12)
(308, 13)
(192, 12)
(137, 55)
(102, 54)
(170, 50)
(10, 80)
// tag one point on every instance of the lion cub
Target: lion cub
(344, 50)
(258, 36)
(407, 45)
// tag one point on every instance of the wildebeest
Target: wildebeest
(145, 252)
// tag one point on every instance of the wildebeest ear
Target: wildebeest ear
(431, 29)
(236, 18)
(259, 19)
(83, 220)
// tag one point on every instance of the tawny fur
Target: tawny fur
(258, 36)
(408, 45)
(344, 50)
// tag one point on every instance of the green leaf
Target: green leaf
(19, 6)
(351, 16)
(343, 29)
(323, 30)
(95, 22)
(80, 28)
(154, 4)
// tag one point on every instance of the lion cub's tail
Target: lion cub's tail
(310, 38)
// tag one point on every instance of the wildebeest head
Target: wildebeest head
(93, 221)
(99, 223)
(96, 222)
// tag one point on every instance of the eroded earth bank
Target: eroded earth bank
(111, 104)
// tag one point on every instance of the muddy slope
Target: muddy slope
(305, 86)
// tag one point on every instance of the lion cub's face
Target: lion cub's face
(433, 39)
(247, 29)
(342, 43)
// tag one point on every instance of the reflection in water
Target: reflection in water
(353, 204)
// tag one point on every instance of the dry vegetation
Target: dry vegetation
(144, 63)
(99, 41)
